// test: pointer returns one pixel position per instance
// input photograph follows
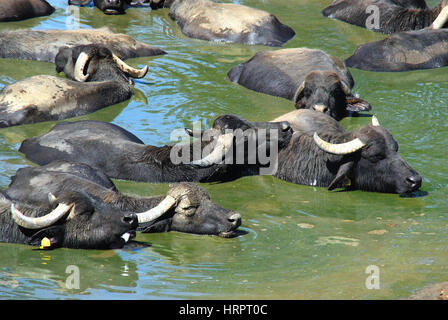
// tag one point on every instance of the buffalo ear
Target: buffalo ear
(343, 171)
(354, 104)
(54, 234)
(79, 2)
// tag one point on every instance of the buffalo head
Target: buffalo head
(77, 220)
(371, 161)
(188, 208)
(243, 139)
(326, 92)
(95, 63)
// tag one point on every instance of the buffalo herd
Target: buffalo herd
(69, 199)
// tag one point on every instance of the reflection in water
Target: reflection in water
(45, 273)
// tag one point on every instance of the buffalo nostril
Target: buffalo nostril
(414, 181)
(129, 219)
(235, 219)
(285, 126)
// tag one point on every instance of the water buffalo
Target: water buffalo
(227, 22)
(43, 45)
(23, 9)
(185, 208)
(322, 153)
(217, 155)
(76, 220)
(310, 78)
(403, 51)
(98, 78)
(115, 6)
(386, 16)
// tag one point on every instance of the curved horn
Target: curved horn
(135, 73)
(40, 222)
(375, 122)
(157, 211)
(80, 65)
(223, 144)
(441, 19)
(298, 92)
(342, 148)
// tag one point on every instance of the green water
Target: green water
(300, 242)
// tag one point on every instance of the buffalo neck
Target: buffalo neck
(148, 163)
(131, 203)
(303, 162)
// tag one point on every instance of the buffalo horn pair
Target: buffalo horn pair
(83, 59)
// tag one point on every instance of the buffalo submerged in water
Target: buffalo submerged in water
(97, 79)
(322, 153)
(405, 51)
(121, 155)
(15, 10)
(310, 78)
(73, 220)
(386, 16)
(185, 207)
(44, 45)
(211, 21)
(226, 22)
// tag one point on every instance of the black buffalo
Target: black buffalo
(116, 6)
(44, 45)
(310, 78)
(122, 155)
(75, 220)
(98, 78)
(185, 208)
(403, 51)
(322, 153)
(226, 22)
(391, 15)
(14, 10)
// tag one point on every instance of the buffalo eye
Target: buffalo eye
(188, 211)
(375, 158)
(372, 154)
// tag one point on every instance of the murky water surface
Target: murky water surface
(299, 241)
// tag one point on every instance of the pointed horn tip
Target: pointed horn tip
(136, 73)
(375, 121)
(225, 141)
(51, 198)
(144, 70)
